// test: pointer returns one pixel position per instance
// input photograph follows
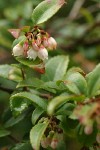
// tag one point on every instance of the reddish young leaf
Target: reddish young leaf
(15, 32)
(40, 70)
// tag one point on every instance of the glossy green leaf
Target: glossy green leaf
(4, 71)
(65, 109)
(19, 40)
(4, 133)
(37, 133)
(20, 101)
(45, 10)
(10, 72)
(56, 68)
(12, 121)
(59, 100)
(93, 81)
(36, 114)
(75, 82)
(46, 88)
(30, 63)
(30, 82)
(18, 104)
(52, 86)
(22, 146)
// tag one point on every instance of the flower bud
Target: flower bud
(98, 138)
(31, 54)
(52, 44)
(54, 143)
(88, 129)
(46, 142)
(18, 50)
(55, 140)
(43, 53)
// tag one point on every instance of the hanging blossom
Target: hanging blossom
(36, 44)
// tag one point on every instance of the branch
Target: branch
(23, 76)
(76, 8)
(13, 139)
(91, 42)
(47, 96)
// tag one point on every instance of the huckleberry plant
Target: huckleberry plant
(36, 44)
(49, 103)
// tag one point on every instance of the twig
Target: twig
(47, 96)
(76, 8)
(13, 139)
(91, 42)
(23, 76)
(91, 9)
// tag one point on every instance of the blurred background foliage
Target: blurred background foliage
(76, 27)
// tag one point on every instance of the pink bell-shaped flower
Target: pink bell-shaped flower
(31, 54)
(52, 44)
(43, 53)
(18, 50)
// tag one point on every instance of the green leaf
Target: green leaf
(10, 72)
(37, 133)
(66, 127)
(12, 121)
(30, 63)
(52, 86)
(4, 133)
(56, 68)
(45, 10)
(18, 104)
(20, 101)
(36, 114)
(46, 88)
(19, 40)
(75, 82)
(65, 109)
(22, 146)
(59, 100)
(30, 82)
(97, 93)
(93, 81)
(4, 71)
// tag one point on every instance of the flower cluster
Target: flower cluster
(36, 44)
